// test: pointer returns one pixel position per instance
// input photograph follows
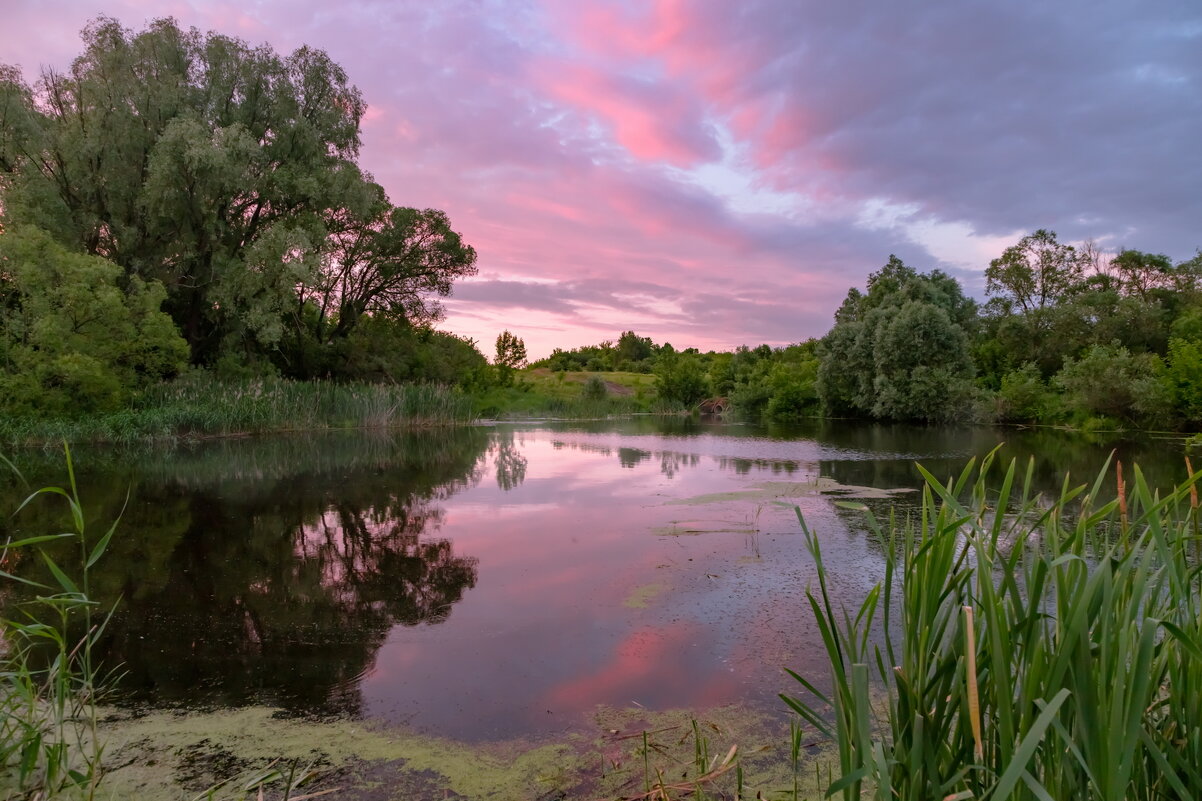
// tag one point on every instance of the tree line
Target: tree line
(1068, 334)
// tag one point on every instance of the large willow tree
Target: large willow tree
(228, 173)
(901, 350)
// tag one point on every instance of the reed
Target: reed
(202, 406)
(1020, 647)
(49, 680)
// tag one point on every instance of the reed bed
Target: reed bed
(201, 406)
(1020, 647)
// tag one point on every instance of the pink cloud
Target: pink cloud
(651, 122)
(496, 129)
(559, 138)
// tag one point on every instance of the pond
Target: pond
(502, 581)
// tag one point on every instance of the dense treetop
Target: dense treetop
(226, 174)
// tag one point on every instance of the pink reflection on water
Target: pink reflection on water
(661, 661)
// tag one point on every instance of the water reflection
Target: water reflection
(632, 457)
(489, 582)
(508, 462)
(280, 583)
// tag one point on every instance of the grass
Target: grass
(542, 393)
(1038, 649)
(202, 406)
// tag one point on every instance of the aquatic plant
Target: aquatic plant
(201, 405)
(1020, 647)
(49, 679)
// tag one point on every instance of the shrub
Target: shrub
(1023, 397)
(1110, 381)
(594, 389)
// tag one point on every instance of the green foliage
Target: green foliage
(779, 385)
(1110, 381)
(1029, 651)
(1024, 397)
(901, 351)
(1035, 273)
(632, 353)
(594, 389)
(1188, 325)
(633, 350)
(511, 351)
(510, 356)
(73, 341)
(228, 174)
(382, 350)
(680, 379)
(1052, 302)
(1183, 380)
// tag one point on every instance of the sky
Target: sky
(714, 173)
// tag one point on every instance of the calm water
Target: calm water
(493, 582)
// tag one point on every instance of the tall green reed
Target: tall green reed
(49, 678)
(200, 405)
(1020, 647)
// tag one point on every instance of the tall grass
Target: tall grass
(200, 405)
(1038, 649)
(49, 743)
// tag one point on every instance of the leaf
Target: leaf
(35, 540)
(63, 579)
(1026, 749)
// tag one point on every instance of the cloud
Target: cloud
(734, 158)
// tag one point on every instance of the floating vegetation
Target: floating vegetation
(769, 491)
(641, 597)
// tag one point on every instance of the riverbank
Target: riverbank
(614, 753)
(200, 406)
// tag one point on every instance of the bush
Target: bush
(680, 379)
(1110, 381)
(1183, 379)
(74, 342)
(1023, 397)
(594, 389)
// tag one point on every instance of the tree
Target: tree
(1035, 273)
(1032, 286)
(680, 379)
(387, 263)
(633, 349)
(226, 172)
(511, 351)
(1183, 379)
(901, 350)
(922, 365)
(1139, 273)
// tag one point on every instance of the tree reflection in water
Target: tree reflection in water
(508, 461)
(281, 585)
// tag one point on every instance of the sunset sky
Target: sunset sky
(719, 172)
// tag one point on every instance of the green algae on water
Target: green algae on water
(641, 597)
(178, 756)
(769, 491)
